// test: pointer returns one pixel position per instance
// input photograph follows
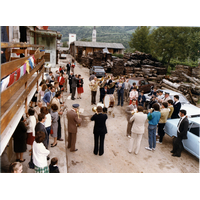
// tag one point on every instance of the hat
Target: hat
(75, 105)
(161, 91)
(166, 92)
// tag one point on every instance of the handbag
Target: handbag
(51, 131)
(31, 164)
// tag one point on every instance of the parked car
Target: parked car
(192, 111)
(192, 143)
(141, 83)
(98, 71)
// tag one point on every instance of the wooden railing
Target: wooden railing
(10, 67)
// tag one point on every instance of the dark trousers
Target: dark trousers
(120, 98)
(71, 141)
(73, 92)
(48, 129)
(161, 131)
(59, 129)
(93, 99)
(101, 95)
(177, 146)
(99, 139)
(70, 88)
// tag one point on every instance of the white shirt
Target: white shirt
(180, 122)
(48, 120)
(31, 124)
(40, 154)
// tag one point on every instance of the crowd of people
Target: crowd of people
(46, 109)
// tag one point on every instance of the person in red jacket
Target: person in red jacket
(61, 81)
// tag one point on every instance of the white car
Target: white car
(192, 111)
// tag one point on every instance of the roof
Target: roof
(99, 44)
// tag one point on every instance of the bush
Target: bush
(118, 55)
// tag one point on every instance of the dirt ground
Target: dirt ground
(116, 158)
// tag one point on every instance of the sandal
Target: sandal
(53, 145)
(22, 160)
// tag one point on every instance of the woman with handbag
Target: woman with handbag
(79, 86)
(54, 126)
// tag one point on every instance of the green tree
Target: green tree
(65, 44)
(140, 39)
(173, 42)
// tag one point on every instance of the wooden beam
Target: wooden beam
(18, 45)
(9, 67)
(10, 91)
(18, 50)
(9, 114)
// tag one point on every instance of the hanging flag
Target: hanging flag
(24, 66)
(30, 63)
(27, 66)
(18, 74)
(21, 71)
(12, 79)
(33, 59)
(4, 83)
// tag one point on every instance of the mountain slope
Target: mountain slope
(111, 34)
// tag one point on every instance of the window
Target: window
(194, 128)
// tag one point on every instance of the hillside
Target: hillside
(115, 34)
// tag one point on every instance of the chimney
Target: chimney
(94, 33)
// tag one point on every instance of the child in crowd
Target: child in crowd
(141, 99)
(53, 168)
(15, 167)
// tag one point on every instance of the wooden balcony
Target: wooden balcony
(16, 97)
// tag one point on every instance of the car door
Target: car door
(192, 143)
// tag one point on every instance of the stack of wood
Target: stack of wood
(86, 61)
(146, 63)
(79, 54)
(97, 58)
(118, 67)
(107, 64)
(196, 72)
(179, 69)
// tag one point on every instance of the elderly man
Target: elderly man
(166, 97)
(37, 110)
(127, 87)
(93, 86)
(130, 109)
(74, 85)
(73, 121)
(120, 92)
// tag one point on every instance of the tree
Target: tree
(65, 44)
(140, 39)
(173, 42)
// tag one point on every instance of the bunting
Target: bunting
(4, 83)
(27, 66)
(12, 79)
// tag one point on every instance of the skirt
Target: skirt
(80, 90)
(30, 138)
(41, 169)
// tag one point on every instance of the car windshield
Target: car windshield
(194, 128)
(132, 81)
(99, 70)
(97, 67)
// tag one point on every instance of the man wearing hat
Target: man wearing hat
(73, 121)
(166, 98)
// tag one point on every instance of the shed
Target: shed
(90, 47)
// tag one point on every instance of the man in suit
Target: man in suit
(41, 127)
(73, 121)
(74, 85)
(129, 110)
(177, 107)
(70, 81)
(49, 95)
(68, 68)
(181, 134)
(120, 92)
(99, 130)
(127, 86)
